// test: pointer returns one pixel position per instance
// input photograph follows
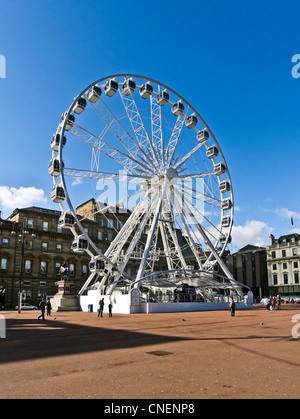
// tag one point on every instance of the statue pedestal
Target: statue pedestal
(64, 300)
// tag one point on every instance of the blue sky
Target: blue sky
(232, 60)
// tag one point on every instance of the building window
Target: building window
(57, 268)
(119, 225)
(84, 269)
(273, 254)
(100, 235)
(29, 244)
(59, 228)
(86, 230)
(43, 269)
(274, 266)
(110, 237)
(295, 265)
(58, 248)
(44, 247)
(295, 251)
(3, 264)
(284, 265)
(5, 242)
(283, 253)
(45, 226)
(285, 279)
(110, 223)
(43, 283)
(71, 269)
(275, 279)
(29, 223)
(27, 266)
(296, 277)
(100, 222)
(27, 283)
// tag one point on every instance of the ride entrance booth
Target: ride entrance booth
(168, 293)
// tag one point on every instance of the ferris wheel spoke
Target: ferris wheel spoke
(92, 174)
(169, 233)
(139, 128)
(197, 175)
(171, 148)
(187, 156)
(195, 194)
(188, 230)
(121, 239)
(144, 220)
(122, 135)
(152, 231)
(208, 243)
(156, 127)
(191, 207)
(107, 149)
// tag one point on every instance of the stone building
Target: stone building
(249, 267)
(283, 262)
(46, 247)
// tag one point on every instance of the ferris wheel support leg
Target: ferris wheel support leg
(87, 283)
(150, 235)
(214, 252)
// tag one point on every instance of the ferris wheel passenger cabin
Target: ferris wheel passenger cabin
(212, 152)
(97, 265)
(80, 244)
(226, 221)
(80, 106)
(191, 121)
(146, 90)
(58, 194)
(224, 238)
(111, 87)
(128, 87)
(70, 122)
(224, 186)
(54, 167)
(66, 220)
(177, 108)
(226, 204)
(163, 97)
(202, 136)
(55, 142)
(219, 169)
(94, 94)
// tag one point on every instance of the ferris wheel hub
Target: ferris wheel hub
(171, 175)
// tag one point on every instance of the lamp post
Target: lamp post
(22, 236)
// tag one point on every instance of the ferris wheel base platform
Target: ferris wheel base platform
(122, 304)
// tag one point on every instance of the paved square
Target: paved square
(151, 356)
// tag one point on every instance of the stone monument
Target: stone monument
(64, 300)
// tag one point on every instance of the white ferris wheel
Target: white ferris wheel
(139, 147)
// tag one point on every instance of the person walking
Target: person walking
(49, 308)
(110, 309)
(42, 307)
(278, 302)
(273, 303)
(232, 307)
(101, 307)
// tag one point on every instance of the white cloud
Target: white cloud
(253, 232)
(77, 181)
(11, 198)
(286, 213)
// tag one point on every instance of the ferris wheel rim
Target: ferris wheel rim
(126, 75)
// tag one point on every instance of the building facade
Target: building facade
(45, 248)
(283, 264)
(249, 266)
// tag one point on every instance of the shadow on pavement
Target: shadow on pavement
(35, 339)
